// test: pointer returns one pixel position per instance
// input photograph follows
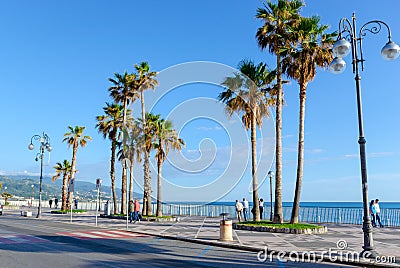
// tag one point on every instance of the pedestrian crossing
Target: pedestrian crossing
(6, 239)
(101, 234)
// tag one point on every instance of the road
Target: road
(31, 243)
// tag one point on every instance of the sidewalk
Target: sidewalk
(205, 230)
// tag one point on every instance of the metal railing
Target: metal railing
(390, 217)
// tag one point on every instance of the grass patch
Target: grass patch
(68, 211)
(300, 226)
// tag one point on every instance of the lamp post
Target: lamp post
(44, 140)
(270, 174)
(341, 48)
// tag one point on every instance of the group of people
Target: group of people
(375, 211)
(243, 207)
(134, 208)
(55, 202)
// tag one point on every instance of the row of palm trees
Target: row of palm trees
(130, 138)
(300, 45)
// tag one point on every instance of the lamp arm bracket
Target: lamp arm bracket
(345, 27)
(374, 27)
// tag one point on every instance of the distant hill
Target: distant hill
(21, 186)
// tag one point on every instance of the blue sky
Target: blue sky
(57, 56)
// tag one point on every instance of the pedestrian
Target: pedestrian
(76, 203)
(50, 202)
(136, 210)
(261, 204)
(56, 201)
(245, 204)
(377, 213)
(372, 212)
(239, 209)
(131, 211)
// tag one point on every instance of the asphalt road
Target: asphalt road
(30, 242)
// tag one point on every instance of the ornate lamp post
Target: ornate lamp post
(270, 174)
(44, 144)
(341, 48)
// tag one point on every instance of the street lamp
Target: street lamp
(270, 174)
(341, 49)
(44, 144)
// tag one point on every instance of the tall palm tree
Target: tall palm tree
(275, 35)
(246, 94)
(144, 80)
(63, 169)
(123, 92)
(109, 125)
(166, 139)
(312, 50)
(75, 138)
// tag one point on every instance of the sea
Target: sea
(309, 204)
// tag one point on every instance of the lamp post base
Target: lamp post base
(369, 254)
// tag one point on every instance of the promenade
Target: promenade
(205, 230)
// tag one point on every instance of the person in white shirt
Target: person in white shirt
(245, 204)
(239, 208)
(378, 212)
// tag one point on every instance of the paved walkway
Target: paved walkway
(206, 230)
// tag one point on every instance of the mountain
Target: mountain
(21, 187)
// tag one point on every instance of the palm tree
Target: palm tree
(166, 138)
(109, 124)
(131, 150)
(312, 50)
(75, 138)
(144, 80)
(275, 35)
(63, 169)
(123, 92)
(246, 94)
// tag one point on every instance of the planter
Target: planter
(317, 230)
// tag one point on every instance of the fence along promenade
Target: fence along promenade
(390, 217)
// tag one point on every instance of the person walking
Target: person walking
(239, 209)
(50, 202)
(136, 210)
(245, 204)
(261, 204)
(377, 213)
(372, 212)
(76, 203)
(131, 211)
(56, 202)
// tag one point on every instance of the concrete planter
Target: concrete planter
(320, 230)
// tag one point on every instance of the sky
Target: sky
(56, 58)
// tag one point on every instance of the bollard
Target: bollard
(225, 228)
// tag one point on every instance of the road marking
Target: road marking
(20, 239)
(204, 251)
(198, 231)
(105, 234)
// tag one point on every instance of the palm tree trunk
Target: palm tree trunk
(112, 175)
(147, 210)
(73, 168)
(300, 156)
(159, 170)
(278, 217)
(64, 192)
(256, 207)
(131, 178)
(124, 178)
(123, 191)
